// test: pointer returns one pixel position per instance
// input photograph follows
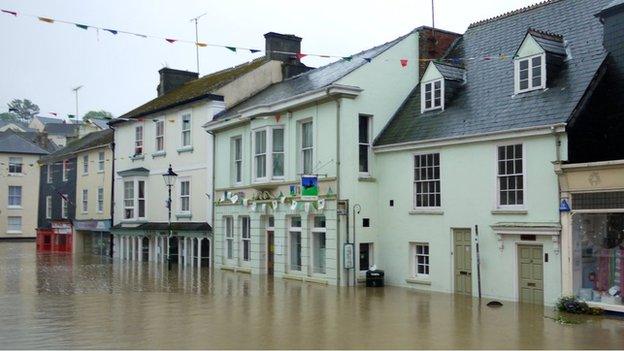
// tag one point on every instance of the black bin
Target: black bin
(375, 278)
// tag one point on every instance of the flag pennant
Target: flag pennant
(324, 56)
(53, 113)
(299, 55)
(253, 51)
(71, 116)
(46, 19)
(502, 57)
(171, 40)
(82, 26)
(456, 61)
(348, 58)
(403, 62)
(487, 58)
(111, 31)
(201, 45)
(277, 118)
(10, 12)
(231, 48)
(140, 35)
(368, 59)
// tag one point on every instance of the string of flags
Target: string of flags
(235, 49)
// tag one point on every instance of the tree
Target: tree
(101, 114)
(24, 110)
(8, 117)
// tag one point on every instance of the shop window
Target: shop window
(319, 232)
(246, 238)
(229, 237)
(295, 243)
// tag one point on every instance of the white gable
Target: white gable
(431, 73)
(529, 47)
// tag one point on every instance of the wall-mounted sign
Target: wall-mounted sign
(309, 187)
(564, 206)
(348, 255)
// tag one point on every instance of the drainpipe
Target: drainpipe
(338, 271)
(210, 199)
(112, 201)
(557, 135)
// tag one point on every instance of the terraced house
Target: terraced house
(166, 134)
(315, 127)
(469, 198)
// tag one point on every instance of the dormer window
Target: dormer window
(530, 73)
(432, 95)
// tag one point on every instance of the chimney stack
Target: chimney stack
(284, 47)
(172, 78)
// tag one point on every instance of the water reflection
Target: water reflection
(60, 301)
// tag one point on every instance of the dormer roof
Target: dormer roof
(549, 42)
(450, 72)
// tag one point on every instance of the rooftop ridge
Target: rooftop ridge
(514, 12)
(545, 34)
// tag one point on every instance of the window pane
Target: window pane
(363, 129)
(261, 166)
(524, 65)
(307, 161)
(319, 222)
(306, 133)
(363, 158)
(278, 140)
(278, 165)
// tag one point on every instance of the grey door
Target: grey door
(462, 258)
(531, 274)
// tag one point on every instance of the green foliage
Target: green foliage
(98, 115)
(572, 304)
(9, 117)
(24, 110)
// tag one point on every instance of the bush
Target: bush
(572, 304)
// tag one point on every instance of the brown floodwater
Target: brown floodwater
(56, 301)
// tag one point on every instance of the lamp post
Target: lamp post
(169, 178)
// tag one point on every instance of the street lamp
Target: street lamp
(169, 178)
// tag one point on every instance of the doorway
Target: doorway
(270, 251)
(462, 261)
(530, 274)
(366, 256)
(145, 241)
(205, 252)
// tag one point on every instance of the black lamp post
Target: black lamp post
(169, 178)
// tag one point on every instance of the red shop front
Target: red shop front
(58, 238)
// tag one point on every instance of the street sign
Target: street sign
(564, 206)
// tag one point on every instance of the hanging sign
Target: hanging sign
(348, 255)
(564, 206)
(309, 187)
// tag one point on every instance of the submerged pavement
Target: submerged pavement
(58, 301)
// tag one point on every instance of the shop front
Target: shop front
(57, 238)
(92, 237)
(592, 214)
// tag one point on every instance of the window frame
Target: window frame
(517, 89)
(236, 143)
(139, 137)
(85, 164)
(65, 170)
(228, 234)
(49, 170)
(136, 200)
(368, 144)
(85, 201)
(300, 148)
(159, 139)
(48, 204)
(11, 197)
(498, 204)
(414, 260)
(183, 131)
(315, 231)
(423, 98)
(100, 199)
(181, 196)
(13, 164)
(269, 153)
(9, 224)
(291, 230)
(245, 237)
(64, 206)
(414, 181)
(101, 161)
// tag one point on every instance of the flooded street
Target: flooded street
(56, 301)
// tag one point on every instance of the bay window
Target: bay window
(268, 161)
(134, 199)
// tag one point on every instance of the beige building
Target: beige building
(19, 189)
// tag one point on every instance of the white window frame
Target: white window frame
(301, 148)
(159, 138)
(421, 181)
(269, 153)
(316, 269)
(12, 197)
(368, 144)
(9, 224)
(245, 237)
(291, 230)
(49, 170)
(423, 89)
(139, 136)
(183, 131)
(414, 260)
(100, 200)
(101, 160)
(48, 204)
(134, 202)
(228, 234)
(65, 170)
(64, 206)
(16, 162)
(184, 196)
(85, 164)
(237, 159)
(530, 87)
(523, 174)
(85, 200)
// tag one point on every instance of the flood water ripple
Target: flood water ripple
(59, 301)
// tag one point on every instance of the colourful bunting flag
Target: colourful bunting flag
(368, 59)
(503, 57)
(299, 56)
(171, 40)
(111, 31)
(201, 45)
(140, 35)
(277, 118)
(231, 48)
(82, 26)
(71, 116)
(253, 51)
(324, 56)
(403, 62)
(10, 12)
(45, 19)
(348, 58)
(487, 58)
(53, 113)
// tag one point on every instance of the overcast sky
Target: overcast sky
(43, 62)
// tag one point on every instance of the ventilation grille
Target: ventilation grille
(598, 201)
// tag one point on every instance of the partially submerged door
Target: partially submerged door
(270, 252)
(462, 254)
(531, 274)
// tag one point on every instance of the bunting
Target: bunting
(46, 19)
(171, 40)
(10, 12)
(82, 26)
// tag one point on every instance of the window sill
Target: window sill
(366, 178)
(137, 157)
(85, 174)
(418, 281)
(437, 212)
(100, 171)
(183, 215)
(15, 174)
(159, 154)
(185, 149)
(15, 207)
(14, 232)
(502, 211)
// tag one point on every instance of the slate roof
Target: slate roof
(91, 140)
(101, 123)
(486, 102)
(450, 72)
(612, 6)
(15, 143)
(15, 123)
(550, 42)
(309, 81)
(64, 129)
(49, 120)
(195, 89)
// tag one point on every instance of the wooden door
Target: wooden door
(462, 253)
(530, 274)
(270, 252)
